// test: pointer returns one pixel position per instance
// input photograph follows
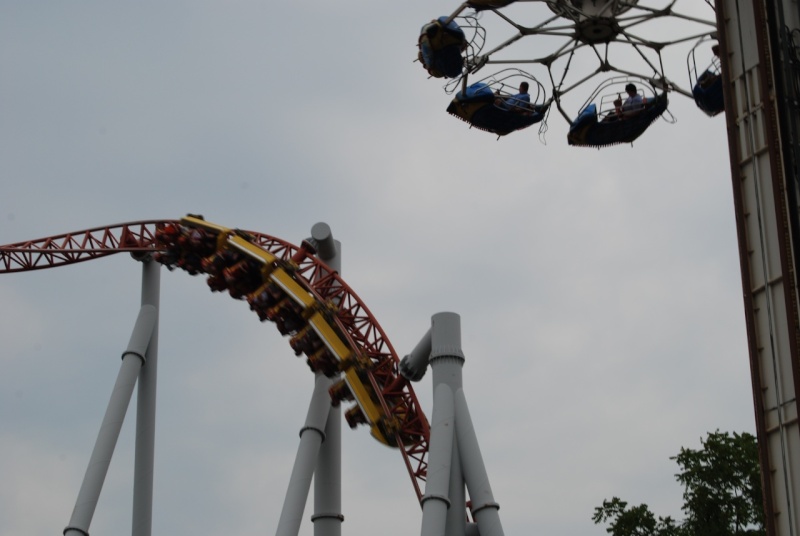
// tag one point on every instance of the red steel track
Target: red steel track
(354, 319)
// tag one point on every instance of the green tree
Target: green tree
(634, 521)
(722, 494)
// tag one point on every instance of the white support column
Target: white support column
(436, 501)
(456, 516)
(142, 520)
(484, 507)
(311, 437)
(327, 517)
(441, 348)
(414, 365)
(454, 456)
(132, 361)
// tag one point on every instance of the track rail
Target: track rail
(69, 248)
(282, 283)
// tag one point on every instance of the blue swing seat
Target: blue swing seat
(587, 131)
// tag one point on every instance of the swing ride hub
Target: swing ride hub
(597, 30)
(578, 9)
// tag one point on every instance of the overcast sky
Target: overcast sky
(599, 291)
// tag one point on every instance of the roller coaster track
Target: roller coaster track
(284, 284)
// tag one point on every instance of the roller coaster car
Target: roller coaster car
(707, 87)
(233, 262)
(441, 45)
(340, 392)
(322, 361)
(495, 111)
(243, 278)
(214, 264)
(305, 341)
(287, 316)
(615, 123)
(354, 416)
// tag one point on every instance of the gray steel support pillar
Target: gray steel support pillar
(456, 517)
(436, 500)
(484, 507)
(311, 437)
(414, 365)
(142, 520)
(446, 358)
(132, 361)
(442, 503)
(457, 462)
(327, 516)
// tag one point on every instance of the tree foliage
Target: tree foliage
(722, 494)
(634, 521)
